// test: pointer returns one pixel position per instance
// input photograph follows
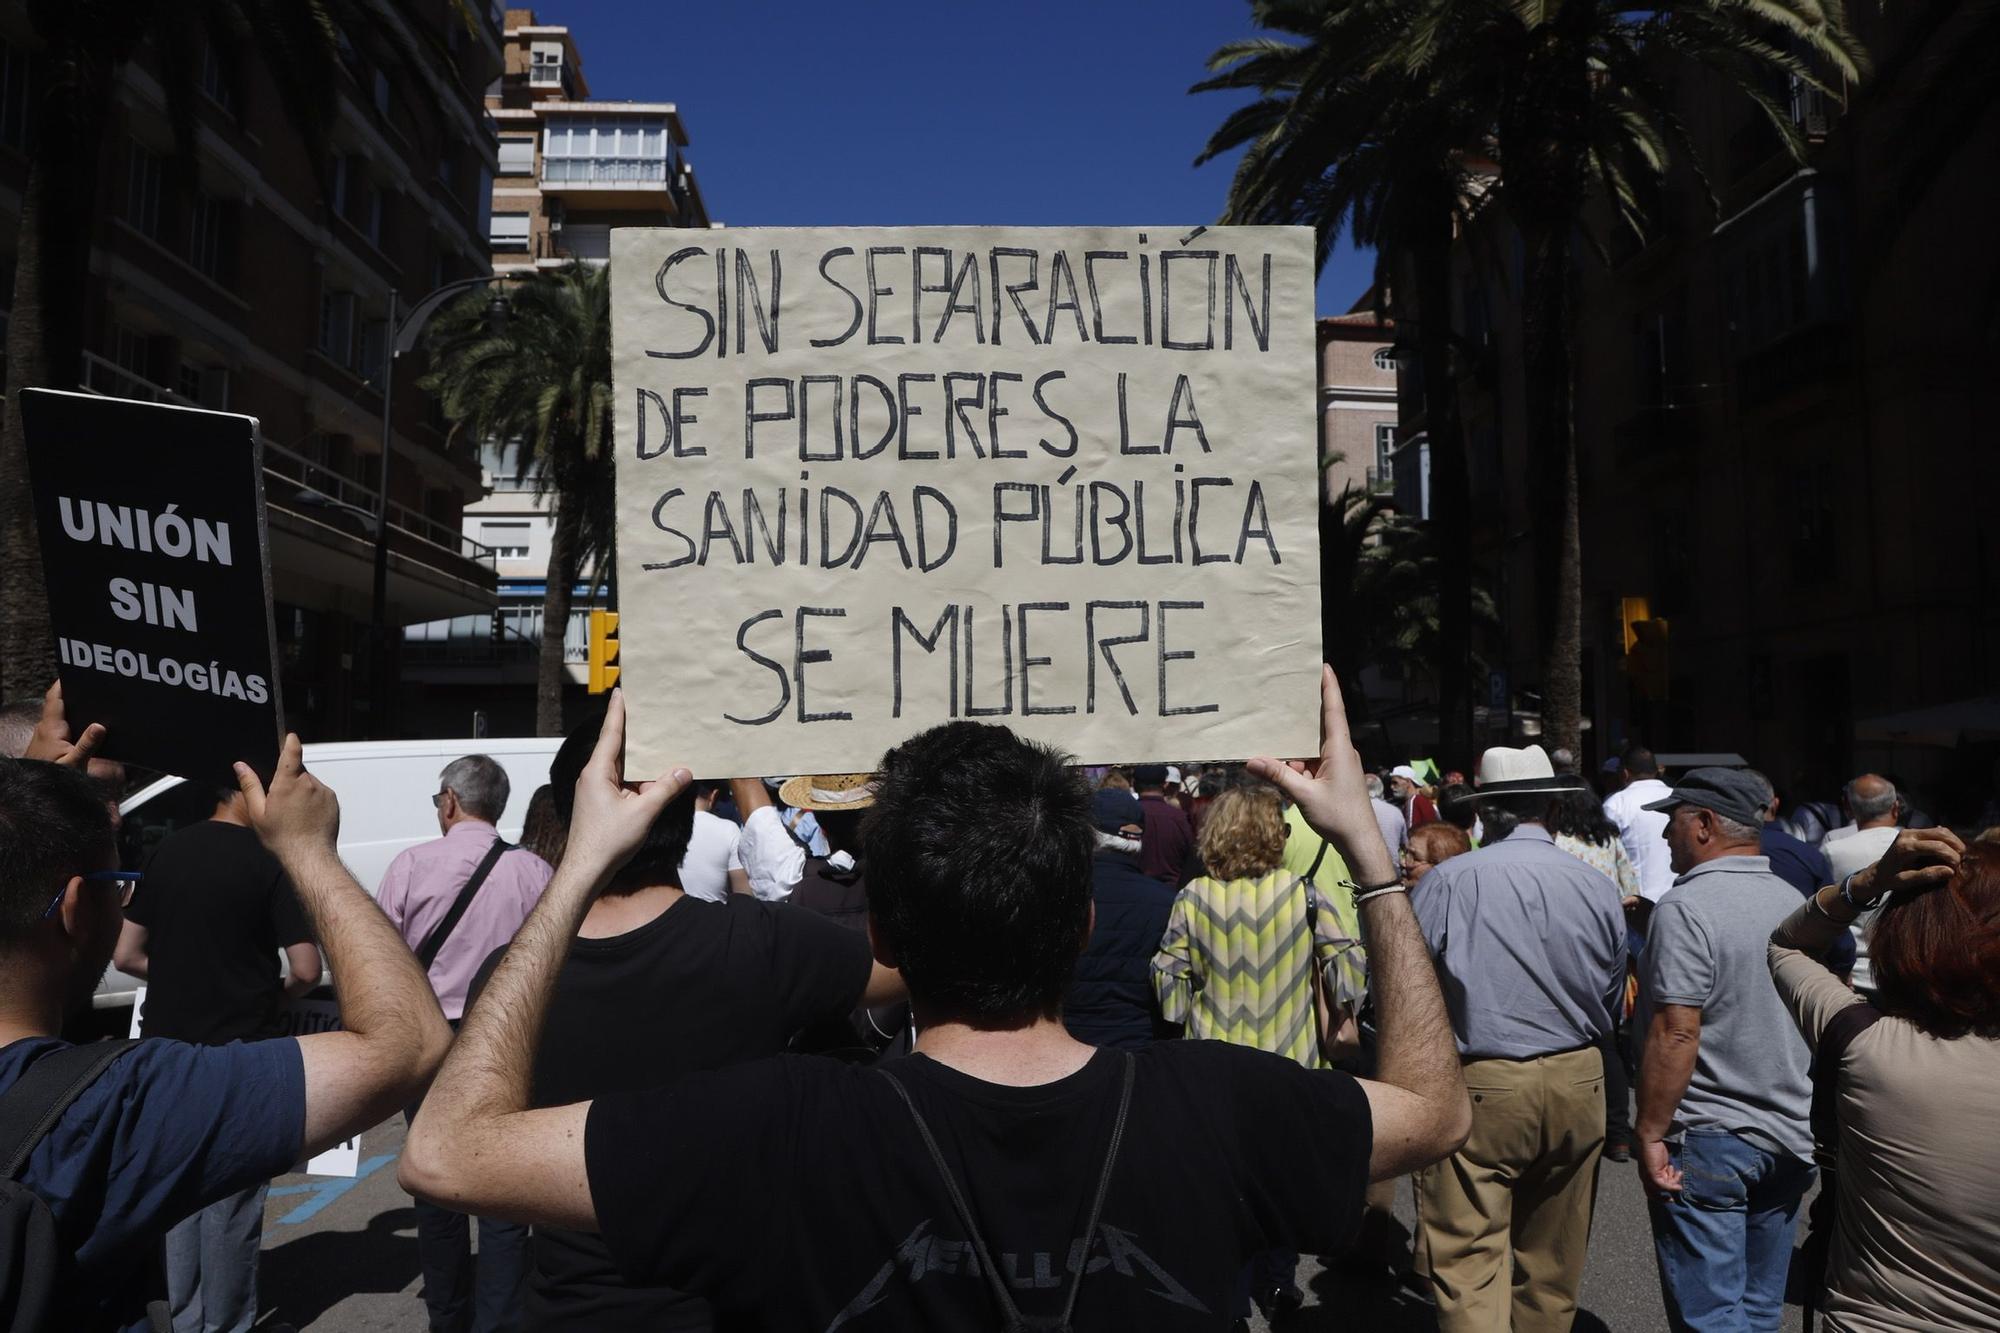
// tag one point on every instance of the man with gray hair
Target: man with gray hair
(1725, 1147)
(1395, 829)
(454, 901)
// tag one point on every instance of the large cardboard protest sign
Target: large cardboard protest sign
(151, 521)
(870, 480)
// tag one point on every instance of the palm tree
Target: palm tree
(1577, 97)
(87, 46)
(541, 383)
(1388, 153)
(1586, 114)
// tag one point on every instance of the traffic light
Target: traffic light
(603, 651)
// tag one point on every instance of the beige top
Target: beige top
(1917, 1246)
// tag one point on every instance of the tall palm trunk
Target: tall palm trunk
(551, 674)
(1451, 492)
(1546, 181)
(45, 335)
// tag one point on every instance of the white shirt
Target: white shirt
(1644, 834)
(1849, 850)
(769, 855)
(711, 855)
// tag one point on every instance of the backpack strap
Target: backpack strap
(427, 952)
(30, 1109)
(1313, 869)
(1839, 1034)
(1001, 1296)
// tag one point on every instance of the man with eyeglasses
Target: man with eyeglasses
(455, 901)
(168, 1127)
(204, 929)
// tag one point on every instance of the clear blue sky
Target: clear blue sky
(893, 112)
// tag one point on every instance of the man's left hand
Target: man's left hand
(1657, 1171)
(51, 740)
(611, 817)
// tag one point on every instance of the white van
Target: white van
(385, 790)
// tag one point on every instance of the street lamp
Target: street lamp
(402, 339)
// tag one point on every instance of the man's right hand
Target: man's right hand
(51, 740)
(298, 814)
(1332, 794)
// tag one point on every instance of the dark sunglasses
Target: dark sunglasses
(126, 880)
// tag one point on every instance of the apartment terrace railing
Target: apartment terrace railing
(304, 484)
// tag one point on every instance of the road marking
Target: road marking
(326, 1191)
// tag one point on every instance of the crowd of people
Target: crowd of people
(983, 1039)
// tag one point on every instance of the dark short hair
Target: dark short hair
(1639, 762)
(53, 824)
(1579, 814)
(1937, 955)
(979, 871)
(658, 860)
(1148, 776)
(1457, 806)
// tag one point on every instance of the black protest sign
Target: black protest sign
(153, 549)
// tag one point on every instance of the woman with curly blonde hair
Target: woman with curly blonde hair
(1237, 962)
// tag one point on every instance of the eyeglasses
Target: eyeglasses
(437, 800)
(126, 880)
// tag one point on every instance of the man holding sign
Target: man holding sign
(1005, 1168)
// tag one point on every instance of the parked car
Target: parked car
(385, 790)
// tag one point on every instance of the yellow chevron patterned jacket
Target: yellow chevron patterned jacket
(1232, 965)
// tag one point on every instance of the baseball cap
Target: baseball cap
(1729, 792)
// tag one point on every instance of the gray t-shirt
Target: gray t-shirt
(1706, 948)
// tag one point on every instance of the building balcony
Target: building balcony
(322, 527)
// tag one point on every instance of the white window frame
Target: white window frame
(1385, 448)
(1385, 359)
(514, 163)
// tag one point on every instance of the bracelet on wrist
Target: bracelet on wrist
(1847, 895)
(1363, 892)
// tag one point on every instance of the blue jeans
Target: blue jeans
(212, 1265)
(1725, 1244)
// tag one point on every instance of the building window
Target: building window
(1385, 359)
(142, 190)
(131, 350)
(509, 231)
(208, 236)
(374, 343)
(517, 156)
(545, 65)
(627, 149)
(17, 95)
(336, 325)
(1385, 453)
(340, 173)
(381, 91)
(217, 83)
(377, 207)
(508, 537)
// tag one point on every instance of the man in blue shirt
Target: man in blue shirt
(169, 1127)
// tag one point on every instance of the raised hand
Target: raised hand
(1919, 859)
(51, 740)
(611, 817)
(1331, 792)
(298, 814)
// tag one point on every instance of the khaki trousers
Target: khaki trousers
(1503, 1223)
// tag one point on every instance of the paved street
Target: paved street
(341, 1257)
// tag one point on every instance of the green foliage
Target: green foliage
(541, 383)
(1381, 578)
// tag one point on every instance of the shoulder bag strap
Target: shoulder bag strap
(1840, 1032)
(1001, 1296)
(1322, 1002)
(1313, 869)
(427, 952)
(30, 1109)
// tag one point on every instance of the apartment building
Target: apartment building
(258, 279)
(1357, 400)
(569, 169)
(1782, 436)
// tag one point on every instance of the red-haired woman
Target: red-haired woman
(1916, 1238)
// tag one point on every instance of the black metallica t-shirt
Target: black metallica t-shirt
(702, 986)
(796, 1194)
